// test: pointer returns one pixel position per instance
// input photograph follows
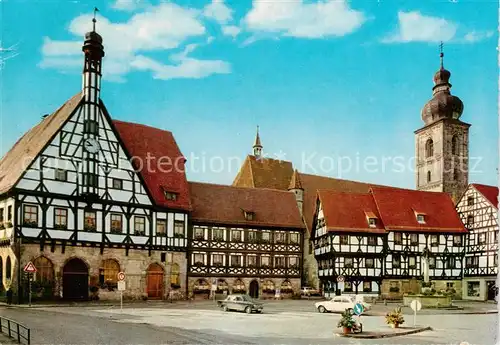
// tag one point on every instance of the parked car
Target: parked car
(339, 304)
(308, 291)
(240, 303)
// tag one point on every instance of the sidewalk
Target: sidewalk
(5, 340)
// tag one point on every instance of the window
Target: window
(450, 263)
(470, 201)
(249, 215)
(139, 226)
(30, 215)
(279, 237)
(279, 261)
(161, 227)
(396, 261)
(179, 228)
(429, 177)
(236, 235)
(117, 183)
(170, 196)
(432, 262)
(457, 241)
(252, 261)
(470, 220)
(367, 286)
(199, 259)
(495, 259)
(372, 241)
(398, 238)
(495, 236)
(217, 259)
(266, 237)
(473, 289)
(347, 286)
(252, 236)
(264, 260)
(61, 175)
(108, 274)
(372, 222)
(116, 223)
(293, 262)
(236, 260)
(369, 263)
(434, 240)
(348, 262)
(449, 285)
(89, 220)
(1, 215)
(90, 180)
(414, 239)
(90, 126)
(472, 261)
(454, 145)
(294, 238)
(44, 270)
(60, 218)
(175, 273)
(217, 234)
(421, 218)
(482, 238)
(344, 239)
(199, 233)
(9, 213)
(8, 268)
(429, 148)
(412, 262)
(455, 173)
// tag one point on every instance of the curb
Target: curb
(384, 335)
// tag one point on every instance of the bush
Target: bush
(346, 320)
(395, 317)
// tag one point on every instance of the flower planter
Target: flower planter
(394, 325)
(346, 330)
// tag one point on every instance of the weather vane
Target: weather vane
(441, 54)
(93, 19)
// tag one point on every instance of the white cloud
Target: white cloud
(308, 20)
(218, 11)
(475, 36)
(416, 27)
(126, 5)
(157, 29)
(231, 30)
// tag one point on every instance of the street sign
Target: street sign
(415, 305)
(121, 276)
(358, 309)
(340, 278)
(214, 287)
(30, 268)
(121, 285)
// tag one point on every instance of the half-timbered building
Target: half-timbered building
(478, 209)
(244, 240)
(75, 203)
(383, 242)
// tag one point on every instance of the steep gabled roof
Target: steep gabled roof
(159, 160)
(489, 192)
(348, 212)
(28, 147)
(264, 173)
(225, 205)
(397, 208)
(295, 181)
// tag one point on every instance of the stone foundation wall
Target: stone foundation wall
(135, 267)
(414, 286)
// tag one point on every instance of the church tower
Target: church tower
(257, 146)
(442, 144)
(296, 188)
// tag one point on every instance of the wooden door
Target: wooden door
(254, 289)
(155, 279)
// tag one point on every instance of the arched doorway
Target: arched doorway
(155, 281)
(75, 280)
(254, 289)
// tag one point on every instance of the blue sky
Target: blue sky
(323, 80)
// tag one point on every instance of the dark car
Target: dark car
(240, 303)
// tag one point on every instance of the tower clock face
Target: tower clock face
(91, 145)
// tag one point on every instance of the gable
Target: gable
(264, 173)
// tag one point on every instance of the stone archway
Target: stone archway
(155, 278)
(254, 289)
(75, 280)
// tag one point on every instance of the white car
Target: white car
(339, 304)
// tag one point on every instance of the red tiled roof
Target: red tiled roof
(489, 192)
(224, 205)
(166, 168)
(396, 208)
(348, 211)
(264, 173)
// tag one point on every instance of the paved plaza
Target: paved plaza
(284, 322)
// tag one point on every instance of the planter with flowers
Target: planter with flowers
(395, 318)
(346, 322)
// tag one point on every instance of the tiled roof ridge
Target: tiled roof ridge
(240, 187)
(141, 125)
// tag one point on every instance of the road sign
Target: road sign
(121, 276)
(358, 309)
(121, 285)
(30, 268)
(340, 278)
(415, 305)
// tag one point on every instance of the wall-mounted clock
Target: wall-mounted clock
(91, 145)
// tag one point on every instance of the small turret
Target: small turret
(257, 146)
(296, 187)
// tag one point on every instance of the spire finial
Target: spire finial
(93, 19)
(441, 54)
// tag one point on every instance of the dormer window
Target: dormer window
(249, 215)
(372, 222)
(170, 196)
(421, 218)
